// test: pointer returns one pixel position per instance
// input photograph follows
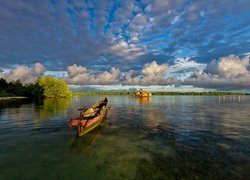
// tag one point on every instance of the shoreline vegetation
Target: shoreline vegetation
(16, 89)
(51, 87)
(44, 87)
(163, 93)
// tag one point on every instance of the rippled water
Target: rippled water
(165, 137)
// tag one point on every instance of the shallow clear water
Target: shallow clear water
(165, 137)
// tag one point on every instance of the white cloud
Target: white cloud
(138, 23)
(39, 69)
(230, 72)
(126, 50)
(226, 72)
(151, 74)
(80, 75)
(75, 70)
(24, 73)
(229, 66)
(153, 69)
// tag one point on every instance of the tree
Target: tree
(33, 90)
(16, 87)
(53, 87)
(3, 84)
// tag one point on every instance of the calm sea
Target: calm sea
(164, 137)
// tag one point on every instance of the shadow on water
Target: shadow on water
(14, 103)
(80, 144)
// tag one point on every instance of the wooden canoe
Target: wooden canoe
(86, 122)
(83, 128)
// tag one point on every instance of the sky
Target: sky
(195, 44)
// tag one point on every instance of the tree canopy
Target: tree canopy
(16, 88)
(53, 87)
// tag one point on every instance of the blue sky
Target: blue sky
(185, 35)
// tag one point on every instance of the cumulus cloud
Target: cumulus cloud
(229, 66)
(24, 73)
(226, 72)
(80, 75)
(153, 69)
(38, 69)
(75, 70)
(151, 74)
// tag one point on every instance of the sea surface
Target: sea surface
(162, 137)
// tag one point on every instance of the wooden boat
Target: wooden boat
(90, 117)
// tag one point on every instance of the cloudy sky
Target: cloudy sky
(192, 43)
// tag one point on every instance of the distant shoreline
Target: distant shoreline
(153, 93)
(13, 97)
(164, 93)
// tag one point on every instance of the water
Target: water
(165, 137)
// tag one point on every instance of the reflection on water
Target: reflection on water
(143, 99)
(51, 107)
(24, 111)
(80, 144)
(231, 98)
(165, 137)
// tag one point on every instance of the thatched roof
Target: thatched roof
(144, 92)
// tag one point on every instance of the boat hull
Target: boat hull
(84, 126)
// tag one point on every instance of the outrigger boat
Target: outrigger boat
(90, 117)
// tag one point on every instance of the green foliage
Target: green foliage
(4, 93)
(16, 88)
(33, 90)
(3, 84)
(53, 87)
(45, 86)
